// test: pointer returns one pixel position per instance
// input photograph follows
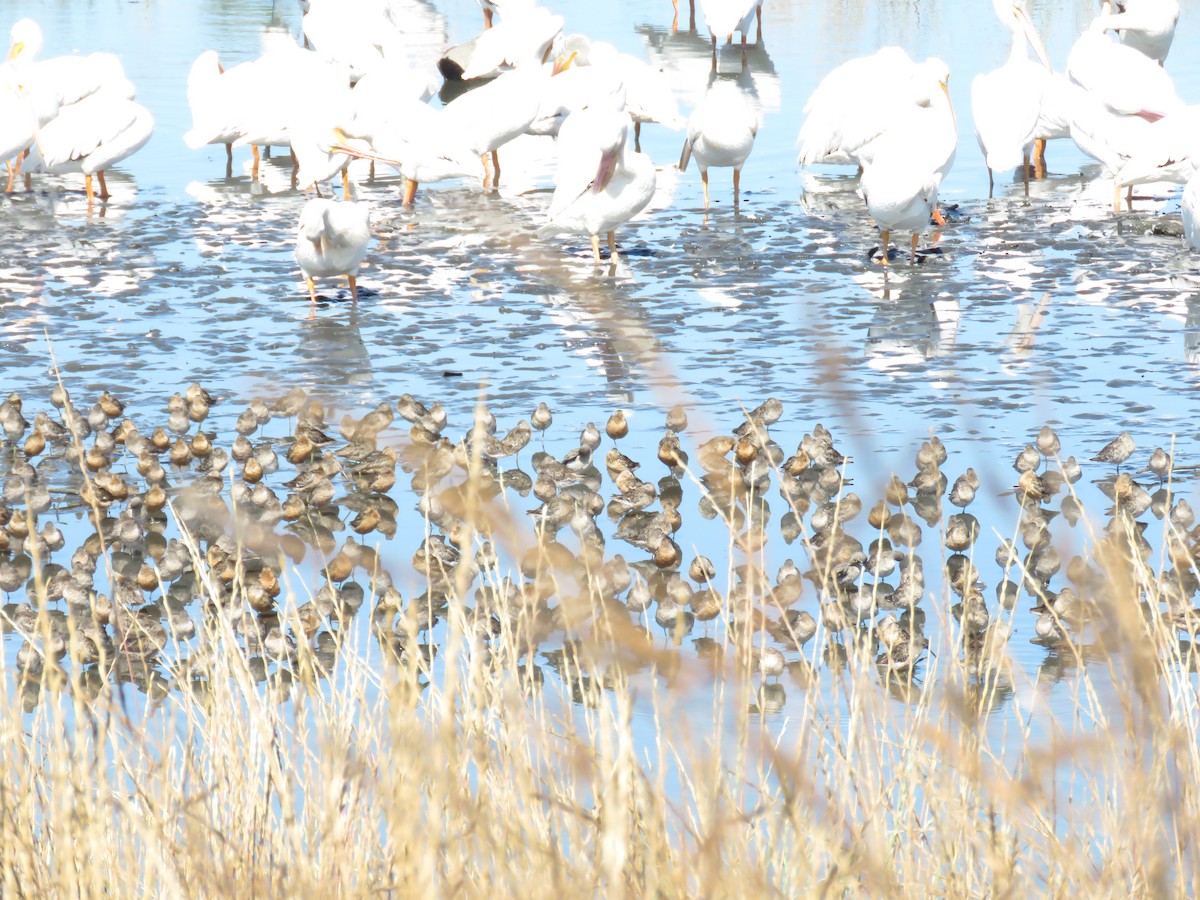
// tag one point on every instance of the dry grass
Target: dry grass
(628, 770)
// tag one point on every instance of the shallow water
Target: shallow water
(1042, 310)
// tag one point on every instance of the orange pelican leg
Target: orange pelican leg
(104, 194)
(885, 237)
(87, 186)
(410, 191)
(257, 156)
(737, 187)
(1025, 172)
(353, 287)
(758, 37)
(596, 248)
(496, 167)
(487, 18)
(612, 246)
(914, 247)
(345, 184)
(1039, 158)
(704, 181)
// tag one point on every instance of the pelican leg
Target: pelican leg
(1039, 158)
(371, 174)
(487, 173)
(1129, 196)
(1025, 172)
(312, 296)
(938, 218)
(345, 184)
(743, 51)
(991, 184)
(675, 18)
(612, 247)
(914, 246)
(1116, 198)
(704, 180)
(353, 288)
(737, 187)
(487, 18)
(104, 194)
(758, 36)
(295, 163)
(11, 174)
(637, 136)
(496, 167)
(885, 237)
(596, 249)
(267, 151)
(229, 160)
(714, 53)
(410, 191)
(317, 187)
(87, 186)
(254, 167)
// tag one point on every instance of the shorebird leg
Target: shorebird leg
(704, 180)
(487, 18)
(596, 249)
(496, 166)
(254, 167)
(1025, 172)
(612, 246)
(345, 184)
(410, 191)
(1039, 158)
(914, 246)
(737, 187)
(353, 288)
(885, 237)
(104, 194)
(87, 186)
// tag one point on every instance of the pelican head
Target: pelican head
(25, 40)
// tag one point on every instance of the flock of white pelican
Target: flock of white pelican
(349, 91)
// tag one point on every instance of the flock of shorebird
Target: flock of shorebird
(351, 92)
(245, 507)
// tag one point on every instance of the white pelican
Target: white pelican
(721, 132)
(1060, 97)
(1006, 102)
(332, 240)
(220, 101)
(724, 17)
(1190, 206)
(1147, 26)
(900, 182)
(17, 124)
(90, 137)
(411, 136)
(522, 38)
(1123, 79)
(1123, 91)
(843, 118)
(600, 181)
(1169, 150)
(488, 117)
(648, 94)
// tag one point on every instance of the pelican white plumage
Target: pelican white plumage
(18, 124)
(721, 133)
(1060, 98)
(1190, 207)
(332, 240)
(900, 182)
(842, 119)
(522, 38)
(488, 117)
(90, 137)
(1147, 26)
(220, 100)
(1169, 150)
(648, 94)
(1123, 79)
(412, 137)
(600, 182)
(1006, 102)
(724, 17)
